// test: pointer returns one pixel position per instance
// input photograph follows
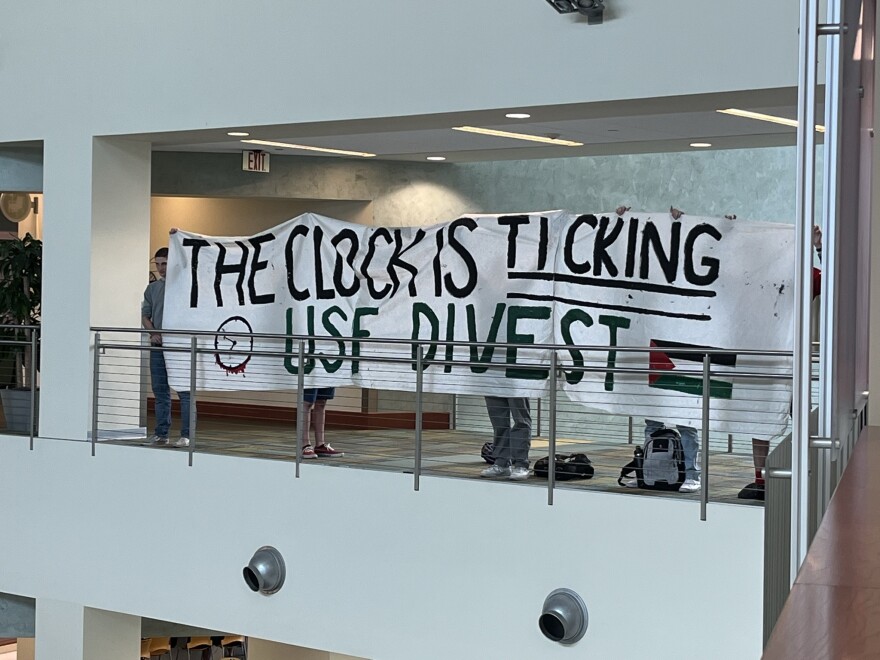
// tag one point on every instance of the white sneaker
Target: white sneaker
(690, 486)
(519, 473)
(631, 483)
(183, 442)
(495, 472)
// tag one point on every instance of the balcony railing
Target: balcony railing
(399, 424)
(19, 361)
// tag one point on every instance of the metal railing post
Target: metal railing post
(95, 390)
(804, 215)
(730, 443)
(704, 462)
(193, 364)
(538, 418)
(301, 404)
(630, 431)
(417, 468)
(454, 421)
(551, 435)
(32, 368)
(828, 344)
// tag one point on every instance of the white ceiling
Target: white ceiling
(631, 126)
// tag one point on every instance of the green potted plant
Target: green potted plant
(21, 269)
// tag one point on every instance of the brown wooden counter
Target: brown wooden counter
(833, 610)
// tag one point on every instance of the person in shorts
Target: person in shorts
(316, 416)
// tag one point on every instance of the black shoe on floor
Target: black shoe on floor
(754, 491)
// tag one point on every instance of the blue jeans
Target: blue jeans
(162, 393)
(688, 443)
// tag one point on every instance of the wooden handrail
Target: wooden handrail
(833, 610)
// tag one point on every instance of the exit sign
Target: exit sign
(254, 161)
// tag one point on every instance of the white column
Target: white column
(120, 230)
(119, 271)
(69, 631)
(65, 360)
(261, 649)
(95, 265)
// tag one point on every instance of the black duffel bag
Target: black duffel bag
(568, 467)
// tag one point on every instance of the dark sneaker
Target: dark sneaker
(754, 491)
(326, 451)
(308, 452)
(157, 441)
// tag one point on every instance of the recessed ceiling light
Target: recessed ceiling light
(303, 147)
(518, 136)
(237, 134)
(701, 145)
(517, 115)
(436, 158)
(773, 119)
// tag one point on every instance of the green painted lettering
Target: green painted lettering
(514, 314)
(613, 323)
(571, 317)
(357, 331)
(419, 310)
(486, 354)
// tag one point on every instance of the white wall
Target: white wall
(414, 574)
(241, 216)
(457, 570)
(123, 67)
(755, 184)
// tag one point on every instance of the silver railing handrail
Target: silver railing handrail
(446, 342)
(30, 340)
(15, 326)
(550, 350)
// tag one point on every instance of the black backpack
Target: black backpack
(568, 467)
(659, 464)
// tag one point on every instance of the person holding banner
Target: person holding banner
(316, 415)
(688, 434)
(761, 446)
(511, 442)
(152, 309)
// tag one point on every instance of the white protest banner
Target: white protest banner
(601, 280)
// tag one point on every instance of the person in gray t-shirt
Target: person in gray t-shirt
(152, 309)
